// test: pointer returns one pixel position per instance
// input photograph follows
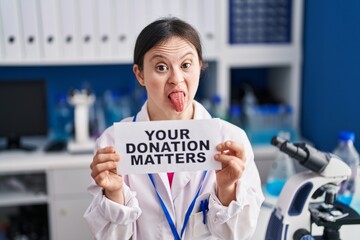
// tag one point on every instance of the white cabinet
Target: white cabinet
(68, 201)
(67, 220)
(52, 187)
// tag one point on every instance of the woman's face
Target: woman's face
(170, 75)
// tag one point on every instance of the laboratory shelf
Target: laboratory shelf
(8, 199)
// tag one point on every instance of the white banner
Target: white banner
(167, 146)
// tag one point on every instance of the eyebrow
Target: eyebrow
(162, 57)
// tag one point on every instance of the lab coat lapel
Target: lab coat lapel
(163, 188)
(181, 179)
(179, 182)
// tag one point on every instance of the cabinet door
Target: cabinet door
(68, 202)
(65, 182)
(68, 219)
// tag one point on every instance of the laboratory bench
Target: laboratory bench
(55, 183)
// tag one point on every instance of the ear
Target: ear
(202, 66)
(138, 74)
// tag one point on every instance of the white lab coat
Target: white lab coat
(142, 218)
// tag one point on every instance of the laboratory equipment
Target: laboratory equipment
(23, 108)
(302, 202)
(281, 170)
(81, 100)
(236, 115)
(218, 108)
(63, 124)
(117, 106)
(346, 151)
(249, 104)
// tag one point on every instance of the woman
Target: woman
(168, 62)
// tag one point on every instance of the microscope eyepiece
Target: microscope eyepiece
(305, 154)
(287, 147)
(277, 141)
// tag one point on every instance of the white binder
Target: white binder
(123, 33)
(30, 28)
(139, 14)
(176, 9)
(13, 49)
(87, 35)
(69, 40)
(105, 16)
(193, 11)
(49, 16)
(158, 9)
(208, 23)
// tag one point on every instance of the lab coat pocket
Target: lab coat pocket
(199, 229)
(198, 218)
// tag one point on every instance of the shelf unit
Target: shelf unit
(284, 59)
(286, 56)
(211, 18)
(16, 198)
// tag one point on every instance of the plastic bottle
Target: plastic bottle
(281, 170)
(249, 103)
(218, 107)
(346, 151)
(63, 127)
(112, 107)
(138, 96)
(236, 115)
(249, 99)
(355, 203)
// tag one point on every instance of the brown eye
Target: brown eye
(162, 68)
(186, 65)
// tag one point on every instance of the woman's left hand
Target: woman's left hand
(232, 158)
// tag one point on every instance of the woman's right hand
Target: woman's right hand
(103, 171)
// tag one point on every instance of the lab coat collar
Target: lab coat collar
(143, 115)
(181, 179)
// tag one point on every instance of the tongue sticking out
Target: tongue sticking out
(177, 100)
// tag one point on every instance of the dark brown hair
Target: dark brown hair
(161, 30)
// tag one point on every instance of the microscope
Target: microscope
(81, 100)
(309, 197)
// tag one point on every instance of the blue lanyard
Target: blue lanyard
(188, 212)
(166, 212)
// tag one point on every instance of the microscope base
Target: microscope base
(81, 147)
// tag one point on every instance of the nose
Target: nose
(175, 76)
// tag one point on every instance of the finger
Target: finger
(235, 148)
(99, 157)
(228, 159)
(100, 179)
(230, 162)
(102, 167)
(104, 157)
(109, 149)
